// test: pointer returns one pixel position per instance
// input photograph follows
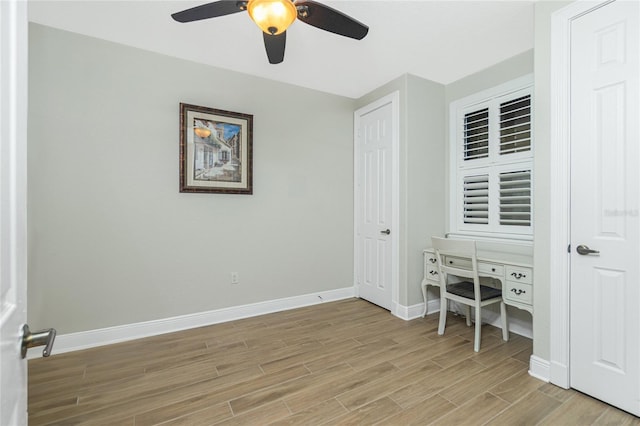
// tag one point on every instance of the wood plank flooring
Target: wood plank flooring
(339, 363)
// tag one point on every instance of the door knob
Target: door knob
(584, 250)
(39, 338)
(386, 231)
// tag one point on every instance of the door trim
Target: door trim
(394, 100)
(13, 208)
(559, 260)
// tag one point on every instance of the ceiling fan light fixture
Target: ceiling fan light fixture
(272, 16)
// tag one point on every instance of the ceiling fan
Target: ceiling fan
(274, 17)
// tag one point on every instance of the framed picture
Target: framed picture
(216, 150)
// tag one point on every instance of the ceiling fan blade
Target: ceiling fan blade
(329, 19)
(274, 44)
(209, 10)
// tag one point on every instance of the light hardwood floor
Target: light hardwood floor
(343, 363)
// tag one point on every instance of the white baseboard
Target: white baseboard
(539, 368)
(433, 306)
(516, 325)
(408, 313)
(106, 336)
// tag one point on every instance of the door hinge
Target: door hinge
(569, 248)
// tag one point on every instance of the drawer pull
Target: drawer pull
(493, 269)
(434, 273)
(451, 262)
(518, 291)
(518, 275)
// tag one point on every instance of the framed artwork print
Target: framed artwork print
(216, 150)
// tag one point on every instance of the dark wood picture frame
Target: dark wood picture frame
(216, 150)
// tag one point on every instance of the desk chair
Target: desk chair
(452, 258)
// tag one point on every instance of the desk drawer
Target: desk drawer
(432, 273)
(491, 269)
(457, 262)
(431, 268)
(518, 292)
(521, 275)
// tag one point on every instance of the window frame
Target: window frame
(494, 164)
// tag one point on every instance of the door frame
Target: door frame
(14, 38)
(559, 259)
(394, 100)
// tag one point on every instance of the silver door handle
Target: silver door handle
(386, 231)
(39, 338)
(584, 250)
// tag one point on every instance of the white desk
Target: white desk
(515, 272)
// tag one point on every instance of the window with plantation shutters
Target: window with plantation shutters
(492, 163)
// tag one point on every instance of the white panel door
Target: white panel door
(374, 205)
(13, 166)
(605, 208)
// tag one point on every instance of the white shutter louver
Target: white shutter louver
(515, 125)
(476, 134)
(476, 199)
(515, 198)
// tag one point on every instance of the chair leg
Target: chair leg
(443, 316)
(476, 344)
(424, 297)
(468, 316)
(505, 322)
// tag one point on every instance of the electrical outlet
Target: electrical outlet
(234, 278)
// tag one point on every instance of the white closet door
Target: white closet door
(374, 192)
(605, 207)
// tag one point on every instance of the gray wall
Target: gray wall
(425, 160)
(510, 69)
(422, 156)
(112, 241)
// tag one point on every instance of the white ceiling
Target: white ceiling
(442, 41)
